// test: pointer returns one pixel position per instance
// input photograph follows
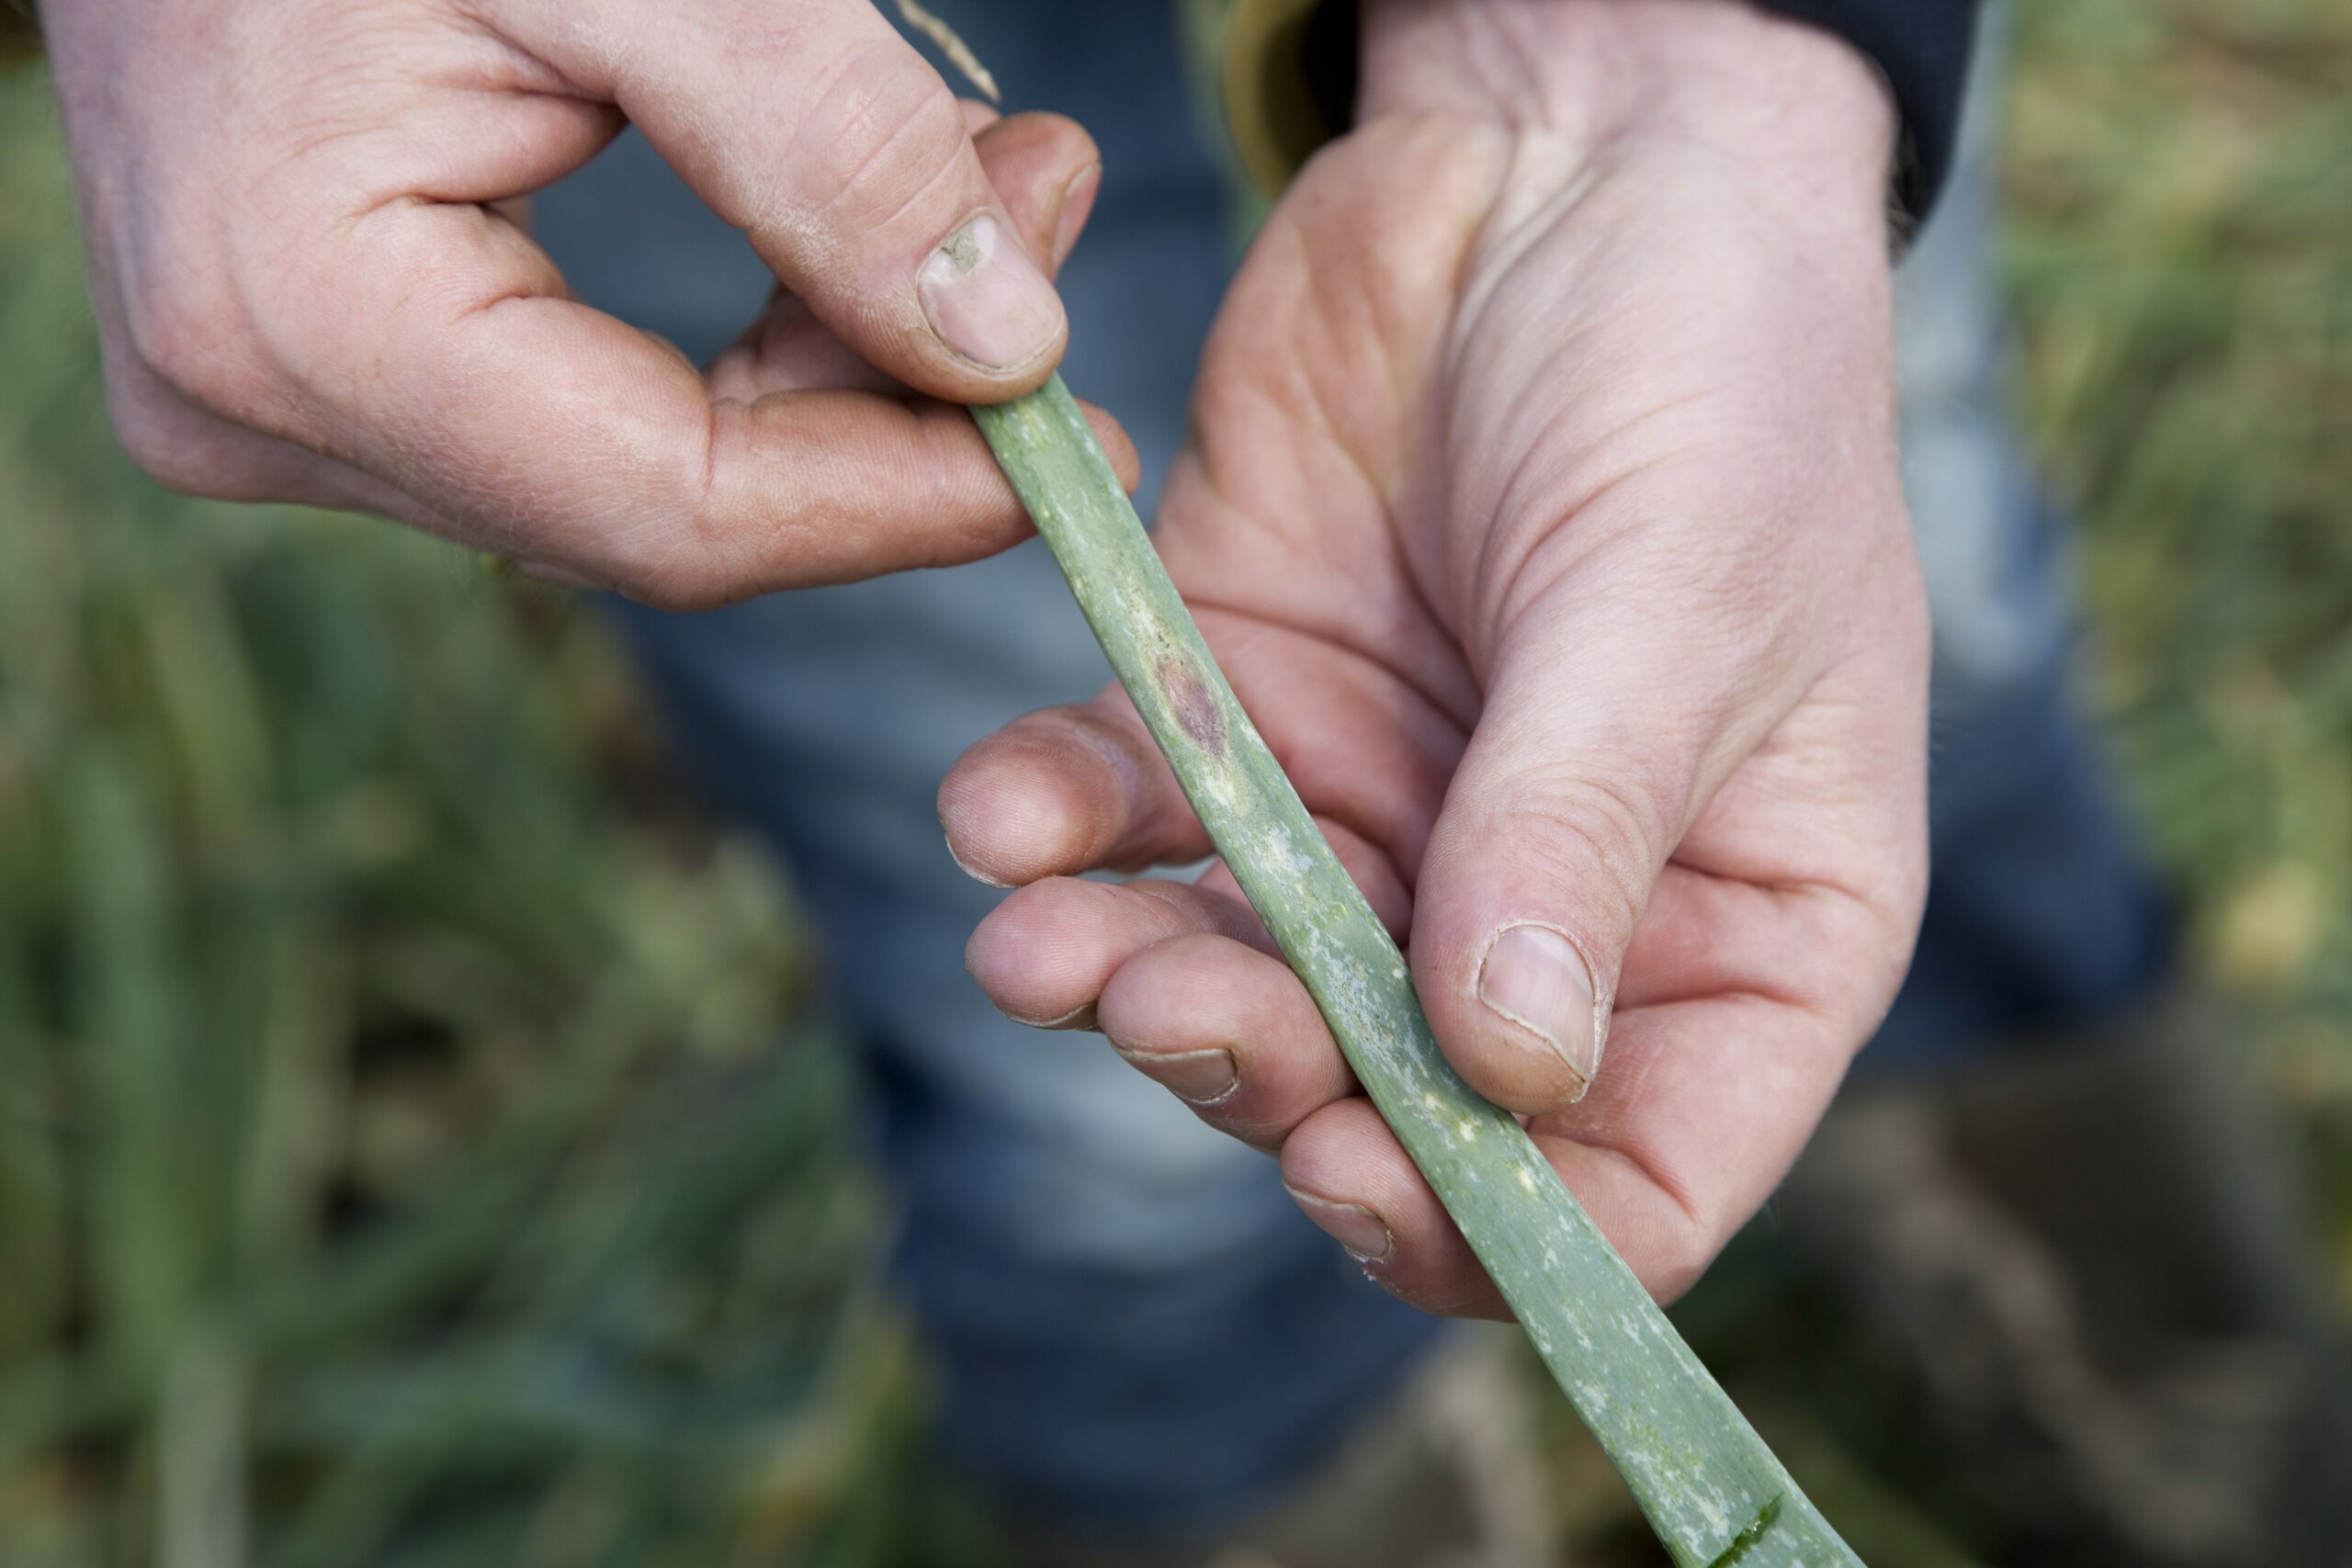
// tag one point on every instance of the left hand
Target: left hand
(1542, 509)
(312, 282)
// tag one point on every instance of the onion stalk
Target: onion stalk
(1708, 1484)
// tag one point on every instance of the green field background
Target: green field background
(421, 1137)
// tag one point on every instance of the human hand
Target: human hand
(307, 291)
(1543, 512)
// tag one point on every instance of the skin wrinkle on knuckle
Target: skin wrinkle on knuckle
(702, 544)
(882, 130)
(1608, 821)
(1711, 701)
(972, 508)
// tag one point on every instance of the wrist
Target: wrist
(1799, 106)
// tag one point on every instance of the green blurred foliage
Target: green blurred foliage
(414, 1147)
(2179, 209)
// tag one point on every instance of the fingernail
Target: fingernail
(1197, 1078)
(987, 299)
(1079, 1019)
(1535, 977)
(1354, 1226)
(975, 873)
(1077, 200)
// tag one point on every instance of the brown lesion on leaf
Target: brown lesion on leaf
(1194, 705)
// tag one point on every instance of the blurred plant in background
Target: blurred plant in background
(416, 1147)
(414, 1144)
(2180, 241)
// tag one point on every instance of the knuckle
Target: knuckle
(160, 442)
(1593, 839)
(194, 347)
(680, 555)
(886, 130)
(176, 338)
(680, 582)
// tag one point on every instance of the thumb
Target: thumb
(1595, 746)
(821, 133)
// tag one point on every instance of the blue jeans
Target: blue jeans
(1133, 1327)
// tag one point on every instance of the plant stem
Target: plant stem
(1709, 1486)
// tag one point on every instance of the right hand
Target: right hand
(1554, 542)
(306, 292)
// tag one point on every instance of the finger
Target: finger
(822, 134)
(1704, 1108)
(1564, 809)
(1229, 1030)
(1046, 171)
(788, 350)
(1064, 791)
(1353, 1177)
(1076, 789)
(553, 432)
(1044, 955)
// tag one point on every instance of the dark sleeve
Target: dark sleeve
(1289, 79)
(19, 33)
(1923, 48)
